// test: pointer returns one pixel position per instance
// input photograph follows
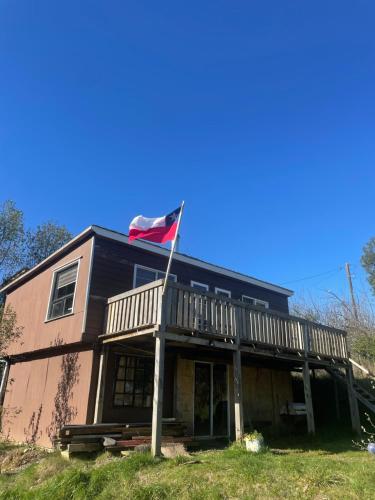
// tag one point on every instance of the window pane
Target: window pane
(247, 300)
(57, 309)
(200, 286)
(120, 386)
(136, 389)
(68, 308)
(223, 293)
(144, 276)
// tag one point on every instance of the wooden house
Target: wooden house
(102, 344)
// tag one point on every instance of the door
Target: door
(210, 399)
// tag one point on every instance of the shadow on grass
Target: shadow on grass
(328, 440)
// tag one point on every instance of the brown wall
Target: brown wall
(31, 300)
(45, 393)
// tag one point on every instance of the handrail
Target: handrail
(186, 309)
(362, 368)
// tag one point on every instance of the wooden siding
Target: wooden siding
(113, 269)
(30, 301)
(185, 309)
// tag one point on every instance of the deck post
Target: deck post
(157, 409)
(238, 403)
(308, 399)
(353, 402)
(98, 415)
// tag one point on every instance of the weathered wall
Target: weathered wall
(45, 393)
(265, 391)
(31, 300)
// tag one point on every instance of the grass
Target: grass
(321, 468)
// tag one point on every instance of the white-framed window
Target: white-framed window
(200, 286)
(222, 292)
(144, 275)
(63, 291)
(255, 302)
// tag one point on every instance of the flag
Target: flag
(156, 229)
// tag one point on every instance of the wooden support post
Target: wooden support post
(157, 409)
(98, 415)
(353, 402)
(308, 399)
(238, 403)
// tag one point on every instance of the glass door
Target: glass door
(210, 399)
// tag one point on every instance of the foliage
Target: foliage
(9, 330)
(368, 434)
(337, 312)
(368, 261)
(294, 468)
(43, 241)
(24, 248)
(11, 238)
(253, 436)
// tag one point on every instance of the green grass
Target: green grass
(322, 468)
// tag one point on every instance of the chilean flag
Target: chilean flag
(156, 229)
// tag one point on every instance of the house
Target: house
(102, 343)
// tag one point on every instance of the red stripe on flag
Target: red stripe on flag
(155, 234)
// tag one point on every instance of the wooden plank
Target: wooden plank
(157, 409)
(98, 413)
(238, 401)
(308, 399)
(199, 341)
(353, 402)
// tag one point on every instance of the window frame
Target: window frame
(217, 289)
(256, 302)
(52, 289)
(140, 266)
(192, 283)
(118, 355)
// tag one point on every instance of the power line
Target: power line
(314, 276)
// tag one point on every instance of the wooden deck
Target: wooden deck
(185, 311)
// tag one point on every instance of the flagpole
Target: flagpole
(173, 248)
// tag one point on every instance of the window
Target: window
(222, 292)
(255, 302)
(134, 381)
(62, 297)
(200, 286)
(144, 275)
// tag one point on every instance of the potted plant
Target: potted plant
(254, 441)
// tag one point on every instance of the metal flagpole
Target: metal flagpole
(173, 248)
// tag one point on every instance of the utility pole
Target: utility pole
(349, 276)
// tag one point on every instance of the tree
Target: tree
(368, 261)
(20, 248)
(11, 238)
(43, 241)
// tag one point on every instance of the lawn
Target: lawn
(320, 468)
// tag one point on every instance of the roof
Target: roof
(123, 238)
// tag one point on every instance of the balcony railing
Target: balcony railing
(183, 309)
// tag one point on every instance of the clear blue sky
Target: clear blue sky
(261, 115)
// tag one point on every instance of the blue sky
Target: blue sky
(260, 115)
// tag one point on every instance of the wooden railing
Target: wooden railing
(184, 309)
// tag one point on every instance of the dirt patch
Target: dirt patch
(15, 459)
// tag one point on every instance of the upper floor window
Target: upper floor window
(255, 302)
(144, 275)
(63, 288)
(222, 292)
(200, 286)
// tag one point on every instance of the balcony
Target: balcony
(183, 313)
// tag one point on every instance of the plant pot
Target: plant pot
(254, 445)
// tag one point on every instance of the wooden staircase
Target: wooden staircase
(366, 397)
